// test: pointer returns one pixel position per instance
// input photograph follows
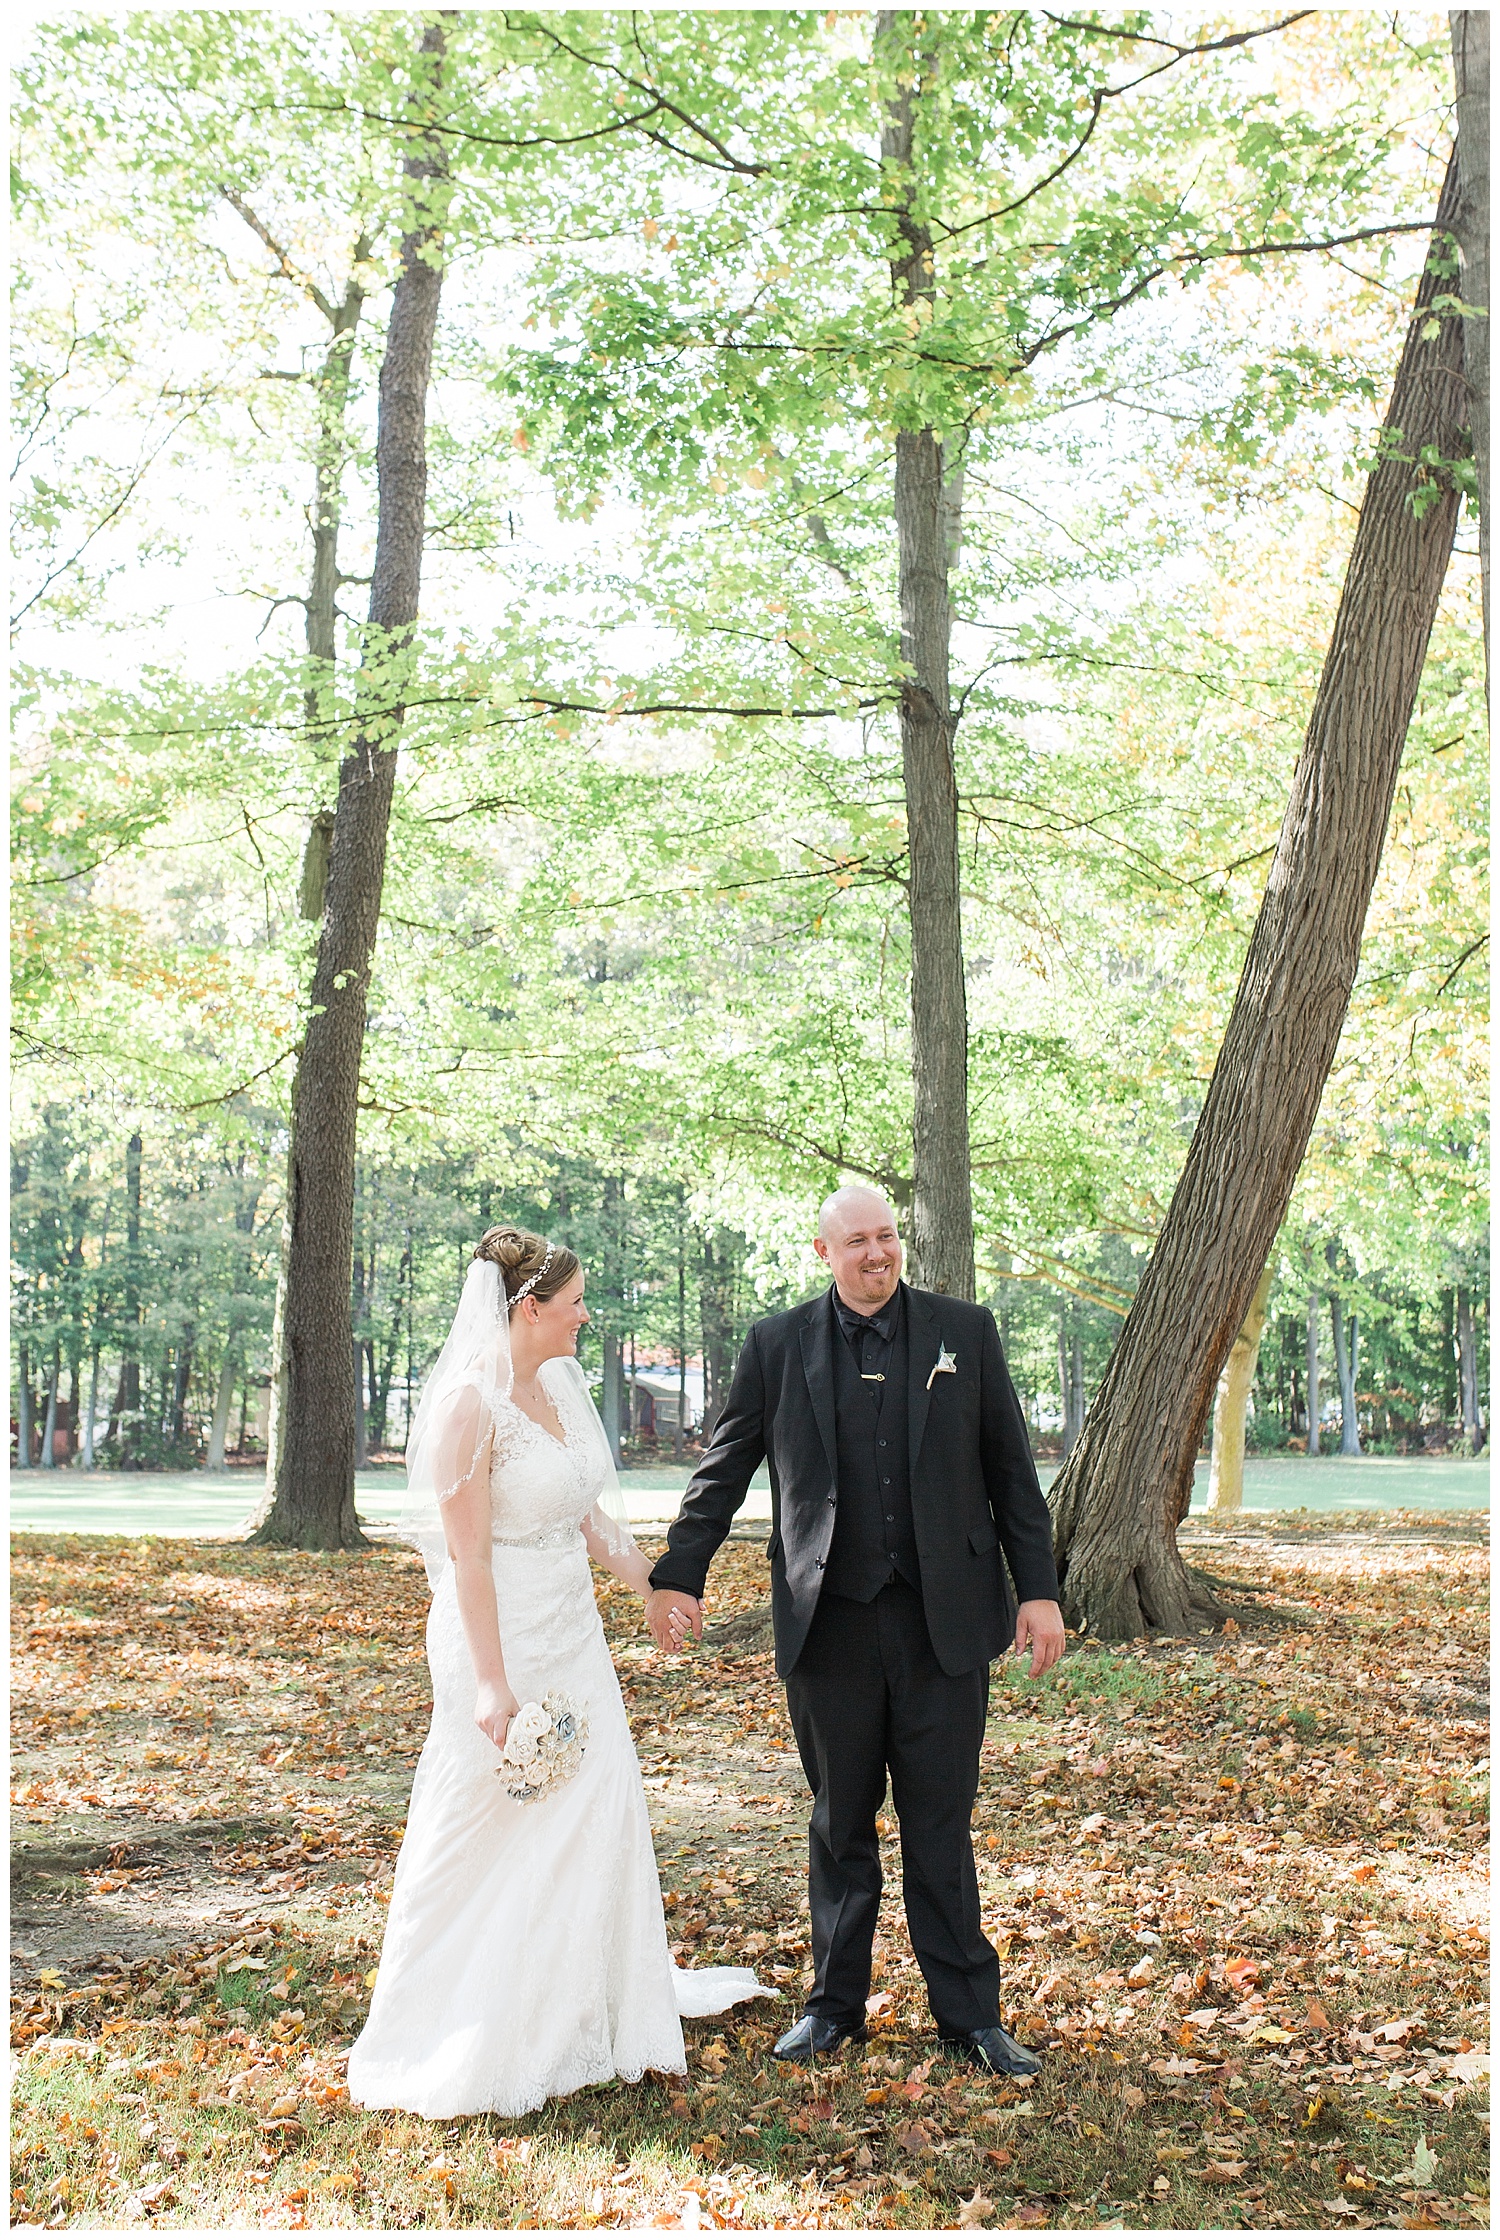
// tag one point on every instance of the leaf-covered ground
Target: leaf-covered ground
(1236, 1884)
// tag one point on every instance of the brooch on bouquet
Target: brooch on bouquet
(543, 1748)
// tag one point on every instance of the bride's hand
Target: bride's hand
(494, 1708)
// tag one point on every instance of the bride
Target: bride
(526, 1953)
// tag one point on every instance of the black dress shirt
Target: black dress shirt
(869, 1334)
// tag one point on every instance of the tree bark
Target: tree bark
(129, 1409)
(1345, 1338)
(323, 589)
(86, 1458)
(1069, 1380)
(1226, 1469)
(49, 1420)
(1314, 1376)
(180, 1383)
(1468, 1371)
(23, 1408)
(330, 451)
(310, 1468)
(1469, 29)
(1116, 1502)
(361, 1425)
(1080, 1395)
(218, 1436)
(927, 496)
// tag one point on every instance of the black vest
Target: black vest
(873, 1538)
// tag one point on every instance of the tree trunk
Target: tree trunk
(310, 1467)
(1343, 1361)
(357, 1356)
(1226, 1469)
(1080, 1397)
(23, 1407)
(927, 530)
(1468, 1371)
(609, 1406)
(1314, 1376)
(49, 1421)
(361, 1422)
(329, 453)
(1470, 32)
(1069, 1380)
(1117, 1499)
(180, 1385)
(129, 1409)
(323, 588)
(86, 1457)
(218, 1436)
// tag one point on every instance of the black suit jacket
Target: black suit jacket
(974, 1487)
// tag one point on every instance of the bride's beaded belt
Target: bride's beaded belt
(555, 1536)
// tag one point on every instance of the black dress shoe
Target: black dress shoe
(816, 2034)
(996, 2050)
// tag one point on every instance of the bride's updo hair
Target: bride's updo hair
(519, 1254)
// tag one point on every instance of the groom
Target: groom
(900, 1469)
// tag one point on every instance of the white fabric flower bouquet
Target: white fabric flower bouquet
(543, 1748)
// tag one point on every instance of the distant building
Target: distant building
(652, 1394)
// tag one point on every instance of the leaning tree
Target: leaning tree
(1117, 1501)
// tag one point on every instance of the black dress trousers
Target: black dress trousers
(867, 1694)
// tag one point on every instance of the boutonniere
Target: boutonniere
(945, 1365)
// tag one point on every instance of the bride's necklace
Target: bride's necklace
(537, 1405)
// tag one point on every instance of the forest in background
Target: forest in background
(643, 971)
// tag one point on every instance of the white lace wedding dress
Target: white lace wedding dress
(526, 1952)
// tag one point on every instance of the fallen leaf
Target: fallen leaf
(1000, 2156)
(976, 2211)
(1224, 2171)
(1132, 2096)
(1316, 2017)
(1241, 1973)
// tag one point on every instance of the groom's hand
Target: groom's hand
(672, 1617)
(1041, 1625)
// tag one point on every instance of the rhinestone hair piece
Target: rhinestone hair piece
(531, 1281)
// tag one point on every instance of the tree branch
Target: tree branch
(284, 265)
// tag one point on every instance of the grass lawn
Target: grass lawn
(1235, 1883)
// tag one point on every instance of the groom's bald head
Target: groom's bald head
(856, 1206)
(858, 1238)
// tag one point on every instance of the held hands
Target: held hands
(673, 1617)
(1040, 1624)
(494, 1708)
